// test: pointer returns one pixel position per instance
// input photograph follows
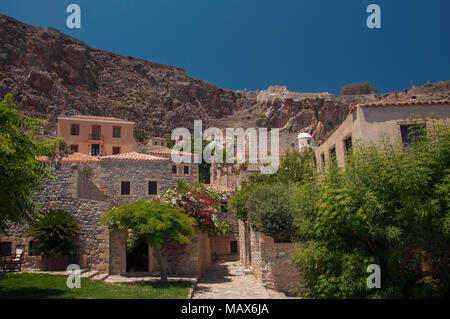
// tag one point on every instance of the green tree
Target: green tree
(157, 222)
(240, 200)
(358, 88)
(20, 172)
(270, 211)
(389, 206)
(54, 232)
(294, 167)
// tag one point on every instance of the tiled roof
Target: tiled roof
(133, 156)
(73, 158)
(219, 188)
(388, 103)
(93, 117)
(409, 102)
(159, 149)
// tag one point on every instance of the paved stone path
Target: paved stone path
(227, 280)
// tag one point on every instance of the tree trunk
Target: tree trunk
(158, 256)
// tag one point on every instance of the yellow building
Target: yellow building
(373, 122)
(96, 135)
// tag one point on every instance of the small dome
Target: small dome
(304, 135)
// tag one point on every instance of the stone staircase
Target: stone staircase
(93, 275)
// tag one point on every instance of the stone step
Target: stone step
(90, 274)
(100, 277)
(84, 270)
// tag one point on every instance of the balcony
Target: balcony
(96, 137)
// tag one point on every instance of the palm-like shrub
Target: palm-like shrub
(54, 231)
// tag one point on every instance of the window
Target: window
(333, 153)
(152, 188)
(116, 150)
(116, 131)
(5, 248)
(125, 188)
(32, 245)
(348, 145)
(75, 129)
(412, 132)
(96, 132)
(322, 158)
(186, 170)
(74, 147)
(174, 169)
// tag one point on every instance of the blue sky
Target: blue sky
(308, 45)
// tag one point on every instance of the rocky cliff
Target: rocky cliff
(51, 74)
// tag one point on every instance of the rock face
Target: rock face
(51, 74)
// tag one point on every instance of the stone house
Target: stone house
(233, 174)
(373, 122)
(86, 186)
(157, 146)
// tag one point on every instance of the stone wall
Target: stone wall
(221, 245)
(138, 173)
(88, 196)
(270, 262)
(193, 259)
(62, 193)
(118, 251)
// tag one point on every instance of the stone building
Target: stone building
(225, 247)
(96, 135)
(373, 122)
(86, 187)
(157, 146)
(232, 174)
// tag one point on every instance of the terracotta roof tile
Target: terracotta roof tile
(73, 158)
(387, 103)
(219, 188)
(133, 156)
(159, 149)
(93, 117)
(409, 102)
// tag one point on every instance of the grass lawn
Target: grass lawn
(44, 286)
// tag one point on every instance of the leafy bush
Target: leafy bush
(140, 135)
(200, 203)
(390, 206)
(294, 167)
(240, 200)
(358, 88)
(20, 172)
(54, 232)
(270, 211)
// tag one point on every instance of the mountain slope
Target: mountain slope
(51, 73)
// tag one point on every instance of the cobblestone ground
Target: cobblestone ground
(226, 280)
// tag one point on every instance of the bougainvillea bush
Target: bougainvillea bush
(203, 204)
